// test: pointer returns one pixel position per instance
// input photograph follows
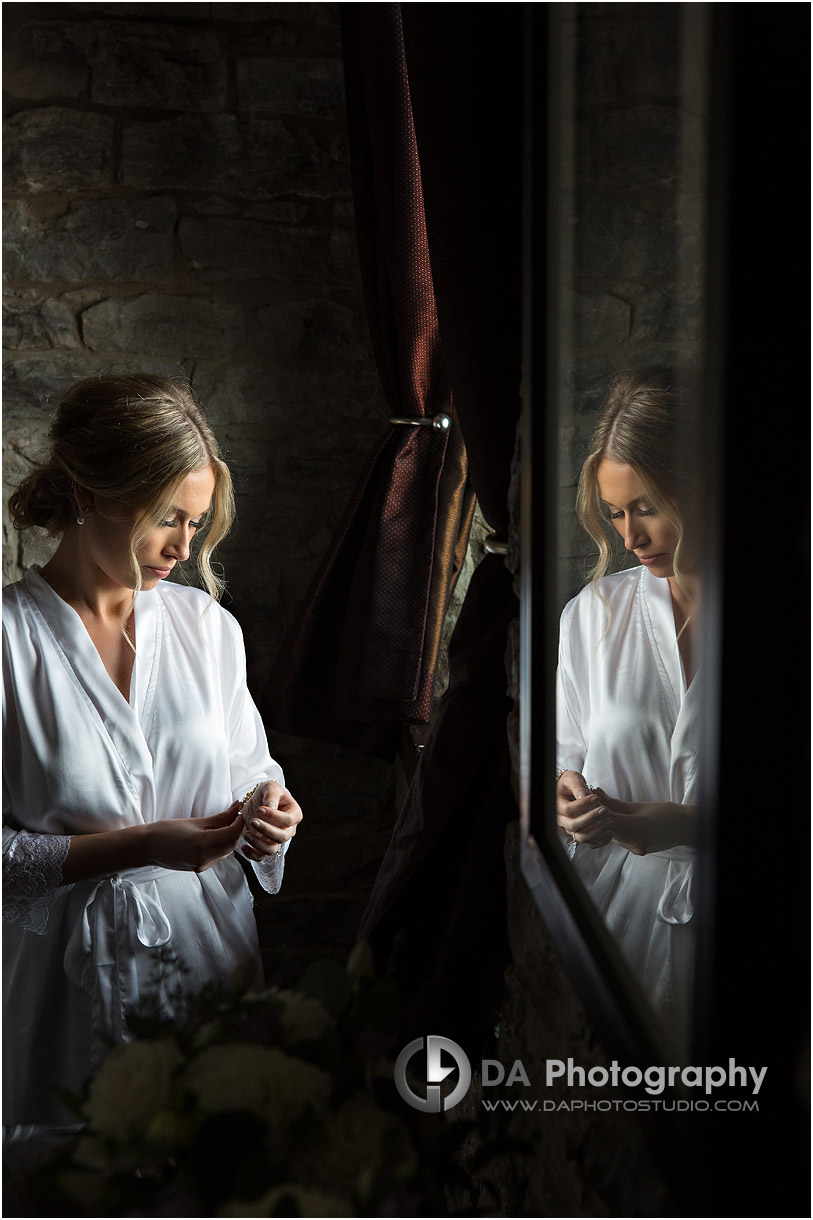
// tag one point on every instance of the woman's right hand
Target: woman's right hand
(194, 844)
(580, 812)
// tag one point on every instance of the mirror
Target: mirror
(624, 276)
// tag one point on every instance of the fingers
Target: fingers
(572, 785)
(265, 836)
(572, 809)
(216, 820)
(268, 795)
(224, 832)
(593, 827)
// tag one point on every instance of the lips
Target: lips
(650, 558)
(159, 572)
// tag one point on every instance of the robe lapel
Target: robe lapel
(656, 603)
(94, 688)
(658, 613)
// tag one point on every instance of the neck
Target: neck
(687, 599)
(72, 574)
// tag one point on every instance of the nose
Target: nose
(178, 542)
(635, 536)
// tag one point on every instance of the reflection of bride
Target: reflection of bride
(627, 698)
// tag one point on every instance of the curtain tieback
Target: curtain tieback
(441, 423)
(495, 545)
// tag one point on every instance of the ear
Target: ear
(84, 499)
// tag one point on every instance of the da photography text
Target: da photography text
(443, 1057)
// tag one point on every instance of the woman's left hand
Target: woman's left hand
(271, 816)
(648, 826)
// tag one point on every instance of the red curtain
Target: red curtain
(359, 661)
(437, 913)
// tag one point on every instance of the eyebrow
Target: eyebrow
(637, 500)
(174, 509)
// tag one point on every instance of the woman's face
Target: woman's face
(108, 530)
(645, 531)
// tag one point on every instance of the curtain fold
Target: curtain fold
(360, 658)
(437, 912)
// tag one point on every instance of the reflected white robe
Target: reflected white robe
(78, 758)
(627, 722)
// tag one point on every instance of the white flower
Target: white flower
(302, 1019)
(261, 1079)
(309, 1203)
(134, 1084)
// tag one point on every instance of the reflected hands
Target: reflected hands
(270, 818)
(649, 826)
(581, 812)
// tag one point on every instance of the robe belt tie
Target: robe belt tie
(116, 914)
(676, 904)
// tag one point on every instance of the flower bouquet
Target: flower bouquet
(272, 1104)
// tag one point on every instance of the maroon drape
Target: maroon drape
(438, 908)
(359, 660)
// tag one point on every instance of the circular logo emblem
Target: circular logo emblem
(435, 1073)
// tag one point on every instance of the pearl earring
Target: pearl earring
(80, 520)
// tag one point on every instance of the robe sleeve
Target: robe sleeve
(249, 759)
(32, 872)
(32, 862)
(571, 749)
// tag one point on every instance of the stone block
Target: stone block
(649, 54)
(638, 146)
(39, 62)
(163, 325)
(293, 21)
(241, 249)
(668, 315)
(147, 11)
(54, 149)
(101, 239)
(155, 65)
(616, 239)
(34, 384)
(315, 330)
(216, 205)
(286, 211)
(252, 159)
(596, 63)
(598, 317)
(297, 86)
(37, 322)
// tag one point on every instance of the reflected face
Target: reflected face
(162, 547)
(645, 531)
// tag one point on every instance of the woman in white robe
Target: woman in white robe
(130, 740)
(628, 700)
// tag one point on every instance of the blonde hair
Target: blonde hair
(637, 426)
(132, 439)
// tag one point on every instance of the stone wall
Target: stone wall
(632, 211)
(178, 201)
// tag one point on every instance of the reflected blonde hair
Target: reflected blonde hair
(637, 426)
(132, 439)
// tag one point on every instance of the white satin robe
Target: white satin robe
(78, 758)
(626, 720)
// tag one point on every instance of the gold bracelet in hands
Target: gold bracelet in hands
(247, 797)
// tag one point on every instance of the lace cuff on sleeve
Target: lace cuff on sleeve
(269, 870)
(32, 871)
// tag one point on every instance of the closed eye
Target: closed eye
(642, 512)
